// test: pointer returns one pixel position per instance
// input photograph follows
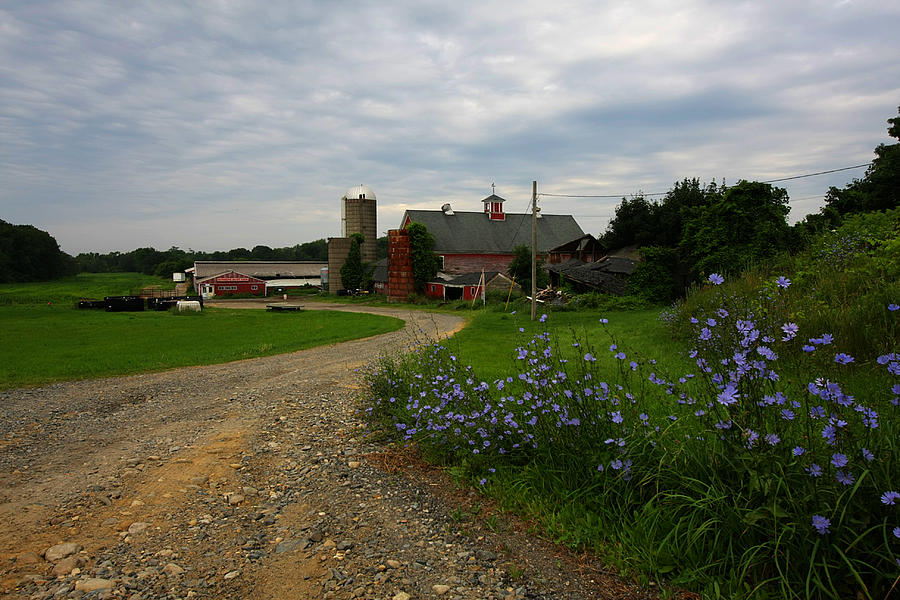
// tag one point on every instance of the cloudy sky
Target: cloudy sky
(216, 125)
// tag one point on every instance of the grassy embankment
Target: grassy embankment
(755, 458)
(42, 343)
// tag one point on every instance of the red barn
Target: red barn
(468, 242)
(231, 282)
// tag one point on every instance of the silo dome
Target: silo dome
(360, 192)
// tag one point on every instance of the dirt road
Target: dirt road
(252, 479)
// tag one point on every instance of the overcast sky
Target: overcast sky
(216, 125)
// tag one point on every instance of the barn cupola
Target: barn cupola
(493, 207)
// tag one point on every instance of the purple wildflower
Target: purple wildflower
(843, 359)
(890, 497)
(783, 282)
(729, 395)
(821, 524)
(845, 478)
(790, 331)
(716, 279)
(838, 460)
(798, 450)
(892, 307)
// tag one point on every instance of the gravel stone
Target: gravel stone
(254, 479)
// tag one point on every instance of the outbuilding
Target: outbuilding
(231, 283)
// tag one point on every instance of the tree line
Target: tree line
(698, 229)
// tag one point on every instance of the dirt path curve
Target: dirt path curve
(252, 479)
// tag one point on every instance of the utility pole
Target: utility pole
(534, 210)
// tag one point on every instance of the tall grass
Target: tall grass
(765, 470)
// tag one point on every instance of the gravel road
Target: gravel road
(253, 479)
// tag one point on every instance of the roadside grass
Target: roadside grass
(762, 467)
(41, 344)
(488, 342)
(84, 285)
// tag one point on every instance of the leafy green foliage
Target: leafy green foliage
(879, 189)
(842, 283)
(520, 269)
(29, 254)
(746, 225)
(654, 277)
(353, 270)
(424, 260)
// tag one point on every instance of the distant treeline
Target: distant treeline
(29, 254)
(165, 262)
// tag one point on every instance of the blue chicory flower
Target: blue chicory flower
(716, 279)
(821, 524)
(890, 497)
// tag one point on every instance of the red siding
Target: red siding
(471, 292)
(434, 290)
(236, 283)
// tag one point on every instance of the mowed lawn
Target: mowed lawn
(41, 343)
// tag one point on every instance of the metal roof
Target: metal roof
(475, 233)
(263, 269)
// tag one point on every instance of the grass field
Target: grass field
(42, 344)
(84, 285)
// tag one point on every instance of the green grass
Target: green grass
(43, 343)
(488, 342)
(84, 285)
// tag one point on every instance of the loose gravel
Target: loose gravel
(253, 479)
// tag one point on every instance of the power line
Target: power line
(664, 193)
(819, 173)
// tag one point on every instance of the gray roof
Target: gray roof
(263, 269)
(475, 233)
(380, 274)
(604, 275)
(473, 278)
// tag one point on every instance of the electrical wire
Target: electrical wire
(664, 193)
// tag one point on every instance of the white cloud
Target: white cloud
(240, 123)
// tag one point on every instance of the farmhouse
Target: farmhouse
(467, 242)
(219, 278)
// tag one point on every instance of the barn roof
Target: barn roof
(475, 233)
(263, 269)
(604, 275)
